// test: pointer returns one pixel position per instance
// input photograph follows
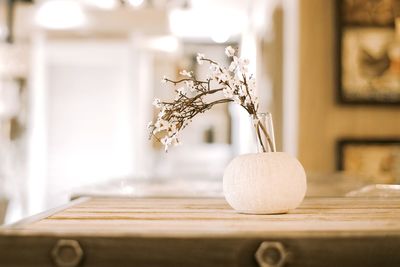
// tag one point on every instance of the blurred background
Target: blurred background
(77, 79)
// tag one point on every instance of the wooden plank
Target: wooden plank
(194, 217)
(45, 214)
(327, 232)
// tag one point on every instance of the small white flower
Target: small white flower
(170, 140)
(200, 58)
(172, 129)
(228, 92)
(224, 77)
(164, 79)
(162, 112)
(214, 68)
(241, 91)
(234, 82)
(243, 63)
(161, 125)
(234, 64)
(215, 71)
(182, 90)
(230, 51)
(186, 73)
(166, 141)
(157, 103)
(252, 83)
(251, 91)
(189, 84)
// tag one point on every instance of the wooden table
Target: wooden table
(184, 232)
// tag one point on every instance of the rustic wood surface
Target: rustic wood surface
(208, 217)
(197, 232)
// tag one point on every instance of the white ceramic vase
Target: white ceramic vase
(264, 183)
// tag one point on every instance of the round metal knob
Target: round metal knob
(271, 254)
(67, 253)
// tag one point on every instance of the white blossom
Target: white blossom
(247, 100)
(166, 141)
(234, 64)
(239, 63)
(230, 51)
(243, 64)
(169, 140)
(200, 58)
(182, 90)
(215, 71)
(223, 76)
(186, 73)
(228, 92)
(164, 79)
(245, 61)
(157, 103)
(190, 86)
(214, 68)
(161, 125)
(162, 112)
(172, 128)
(242, 91)
(232, 83)
(251, 85)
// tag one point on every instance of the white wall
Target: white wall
(83, 121)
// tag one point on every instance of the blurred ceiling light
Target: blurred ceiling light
(168, 44)
(135, 3)
(102, 4)
(220, 36)
(198, 24)
(60, 15)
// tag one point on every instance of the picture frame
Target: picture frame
(376, 159)
(368, 65)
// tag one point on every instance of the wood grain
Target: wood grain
(194, 217)
(151, 232)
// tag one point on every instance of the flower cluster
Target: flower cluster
(192, 96)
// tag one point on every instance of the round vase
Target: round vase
(264, 183)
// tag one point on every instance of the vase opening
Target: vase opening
(264, 132)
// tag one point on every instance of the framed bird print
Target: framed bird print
(368, 64)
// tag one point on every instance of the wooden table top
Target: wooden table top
(206, 232)
(213, 217)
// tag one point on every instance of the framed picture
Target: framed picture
(368, 58)
(377, 160)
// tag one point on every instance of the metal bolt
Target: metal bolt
(271, 254)
(67, 253)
